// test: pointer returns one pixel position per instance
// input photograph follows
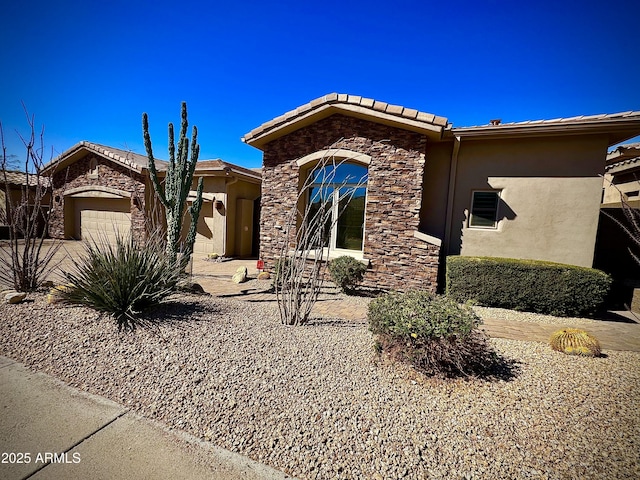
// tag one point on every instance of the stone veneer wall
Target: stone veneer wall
(398, 260)
(110, 174)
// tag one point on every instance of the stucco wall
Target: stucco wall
(236, 232)
(218, 228)
(110, 174)
(398, 260)
(211, 222)
(550, 197)
(623, 185)
(435, 188)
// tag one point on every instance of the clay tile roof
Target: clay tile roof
(624, 157)
(127, 158)
(139, 162)
(353, 105)
(230, 168)
(20, 178)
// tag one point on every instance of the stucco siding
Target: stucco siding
(435, 189)
(211, 222)
(240, 231)
(550, 196)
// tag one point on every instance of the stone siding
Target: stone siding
(110, 174)
(398, 260)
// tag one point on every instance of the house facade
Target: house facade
(100, 191)
(19, 189)
(616, 246)
(527, 190)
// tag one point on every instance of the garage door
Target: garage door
(102, 218)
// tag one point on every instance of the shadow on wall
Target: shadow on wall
(613, 255)
(460, 220)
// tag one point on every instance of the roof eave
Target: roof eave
(222, 172)
(618, 130)
(290, 125)
(78, 150)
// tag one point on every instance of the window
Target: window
(341, 191)
(484, 209)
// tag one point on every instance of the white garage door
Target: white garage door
(102, 218)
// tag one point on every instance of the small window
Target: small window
(484, 209)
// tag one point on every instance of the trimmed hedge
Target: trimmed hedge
(528, 285)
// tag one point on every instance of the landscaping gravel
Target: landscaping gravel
(316, 402)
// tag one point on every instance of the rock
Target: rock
(15, 297)
(54, 294)
(192, 287)
(240, 276)
(264, 276)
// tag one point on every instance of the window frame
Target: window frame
(332, 251)
(496, 212)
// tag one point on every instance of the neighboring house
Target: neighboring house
(620, 198)
(15, 183)
(622, 175)
(100, 190)
(523, 190)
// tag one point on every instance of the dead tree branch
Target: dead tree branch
(302, 260)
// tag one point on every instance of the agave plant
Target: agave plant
(121, 279)
(574, 341)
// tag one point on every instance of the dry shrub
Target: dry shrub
(436, 335)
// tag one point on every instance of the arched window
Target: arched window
(341, 190)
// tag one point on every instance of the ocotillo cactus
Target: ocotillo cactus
(177, 183)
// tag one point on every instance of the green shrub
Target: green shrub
(121, 280)
(346, 272)
(528, 285)
(433, 333)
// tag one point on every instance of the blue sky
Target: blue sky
(87, 70)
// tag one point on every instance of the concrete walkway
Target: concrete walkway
(215, 278)
(51, 431)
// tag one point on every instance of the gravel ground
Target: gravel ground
(316, 402)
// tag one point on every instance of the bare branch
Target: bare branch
(304, 252)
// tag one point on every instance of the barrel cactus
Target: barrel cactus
(574, 341)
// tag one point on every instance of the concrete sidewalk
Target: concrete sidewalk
(51, 431)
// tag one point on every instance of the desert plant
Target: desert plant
(303, 254)
(432, 332)
(281, 268)
(346, 272)
(121, 279)
(529, 285)
(574, 341)
(25, 262)
(174, 191)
